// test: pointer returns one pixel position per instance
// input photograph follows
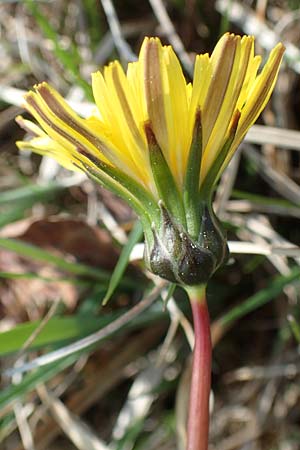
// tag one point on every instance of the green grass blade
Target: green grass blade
(31, 251)
(14, 203)
(295, 327)
(123, 260)
(7, 425)
(57, 329)
(262, 297)
(42, 374)
(95, 27)
(12, 214)
(31, 193)
(30, 381)
(70, 58)
(35, 276)
(262, 199)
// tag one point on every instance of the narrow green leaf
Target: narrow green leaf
(7, 425)
(123, 260)
(15, 202)
(35, 276)
(170, 293)
(262, 297)
(30, 193)
(58, 329)
(64, 328)
(95, 19)
(264, 200)
(31, 380)
(10, 215)
(36, 253)
(70, 59)
(42, 374)
(295, 327)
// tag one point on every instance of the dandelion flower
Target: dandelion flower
(162, 143)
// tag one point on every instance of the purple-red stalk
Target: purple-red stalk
(198, 418)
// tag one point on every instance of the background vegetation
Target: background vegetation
(65, 246)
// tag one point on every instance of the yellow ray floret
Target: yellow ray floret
(227, 92)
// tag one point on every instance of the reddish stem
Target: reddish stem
(198, 420)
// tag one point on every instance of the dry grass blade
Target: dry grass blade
(247, 206)
(24, 428)
(261, 226)
(73, 427)
(278, 181)
(8, 115)
(281, 137)
(240, 247)
(169, 29)
(116, 32)
(241, 438)
(139, 400)
(262, 249)
(287, 370)
(244, 17)
(226, 185)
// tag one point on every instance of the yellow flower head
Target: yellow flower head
(156, 140)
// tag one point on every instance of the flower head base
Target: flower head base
(162, 143)
(177, 257)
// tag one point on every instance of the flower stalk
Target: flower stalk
(198, 415)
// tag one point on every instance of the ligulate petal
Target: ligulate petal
(229, 104)
(202, 75)
(254, 63)
(257, 97)
(132, 140)
(47, 146)
(109, 109)
(135, 79)
(179, 137)
(151, 61)
(30, 127)
(61, 123)
(260, 91)
(222, 61)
